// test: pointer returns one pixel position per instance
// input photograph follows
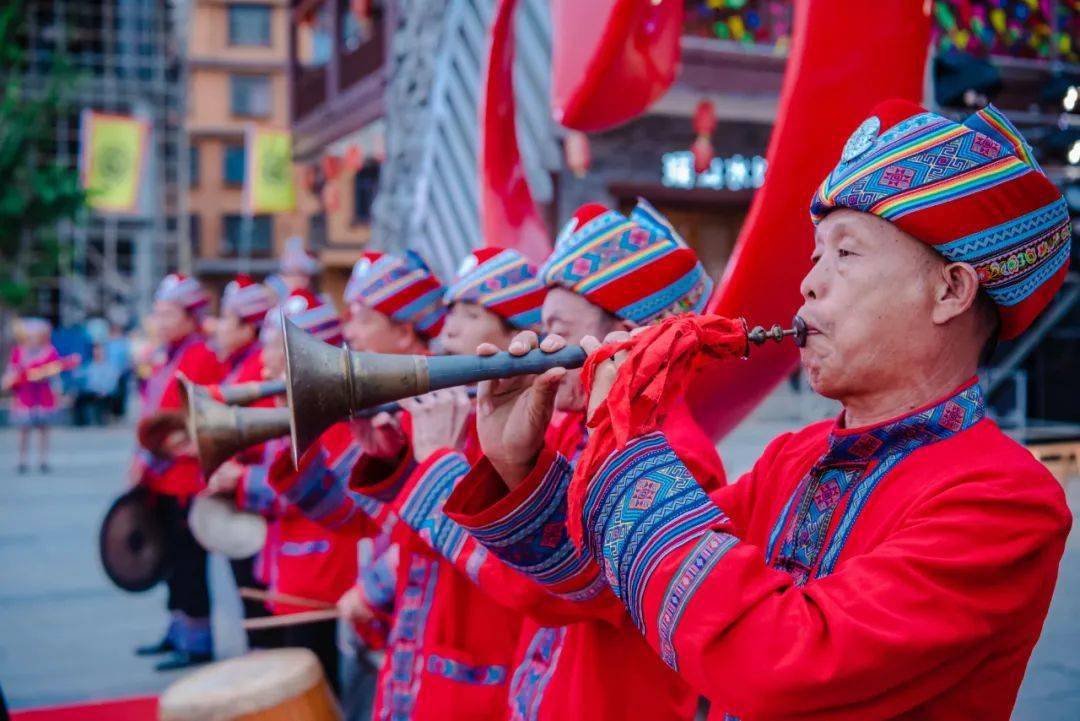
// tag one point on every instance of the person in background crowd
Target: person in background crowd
(296, 271)
(96, 384)
(118, 353)
(33, 401)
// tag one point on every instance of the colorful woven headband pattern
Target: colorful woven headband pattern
(311, 314)
(971, 190)
(402, 287)
(637, 268)
(503, 281)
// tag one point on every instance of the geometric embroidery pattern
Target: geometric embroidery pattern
(840, 483)
(422, 510)
(642, 505)
(532, 676)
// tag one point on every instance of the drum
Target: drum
(132, 542)
(280, 685)
(220, 528)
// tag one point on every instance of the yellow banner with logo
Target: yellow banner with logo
(268, 183)
(111, 160)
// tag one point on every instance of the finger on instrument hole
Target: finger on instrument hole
(552, 342)
(635, 332)
(523, 342)
(410, 404)
(382, 420)
(590, 344)
(487, 349)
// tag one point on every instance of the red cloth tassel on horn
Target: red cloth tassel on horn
(660, 362)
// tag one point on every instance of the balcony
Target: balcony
(337, 70)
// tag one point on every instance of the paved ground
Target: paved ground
(66, 634)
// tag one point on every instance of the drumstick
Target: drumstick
(257, 594)
(292, 619)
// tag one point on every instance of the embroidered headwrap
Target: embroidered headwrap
(309, 313)
(186, 292)
(297, 260)
(248, 300)
(971, 190)
(637, 268)
(503, 281)
(401, 287)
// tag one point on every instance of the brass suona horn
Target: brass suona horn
(327, 384)
(220, 431)
(241, 394)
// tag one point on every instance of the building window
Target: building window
(365, 183)
(249, 25)
(262, 234)
(195, 234)
(193, 165)
(233, 166)
(249, 95)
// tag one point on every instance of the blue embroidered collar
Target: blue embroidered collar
(804, 540)
(929, 424)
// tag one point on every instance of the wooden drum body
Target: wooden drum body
(279, 685)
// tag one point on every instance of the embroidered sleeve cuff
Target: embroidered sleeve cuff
(526, 527)
(318, 490)
(425, 496)
(256, 495)
(642, 505)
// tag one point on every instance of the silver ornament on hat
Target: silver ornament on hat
(862, 139)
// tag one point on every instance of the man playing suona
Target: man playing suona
(897, 562)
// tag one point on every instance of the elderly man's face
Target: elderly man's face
(571, 316)
(871, 297)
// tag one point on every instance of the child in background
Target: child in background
(33, 403)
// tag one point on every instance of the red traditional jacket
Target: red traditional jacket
(899, 571)
(175, 476)
(578, 655)
(311, 560)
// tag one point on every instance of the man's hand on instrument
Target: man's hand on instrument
(604, 376)
(439, 420)
(353, 607)
(225, 479)
(513, 414)
(379, 437)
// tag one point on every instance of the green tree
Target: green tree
(36, 191)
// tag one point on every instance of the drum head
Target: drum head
(220, 528)
(132, 542)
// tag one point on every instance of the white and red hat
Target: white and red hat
(503, 281)
(401, 287)
(248, 300)
(311, 314)
(185, 291)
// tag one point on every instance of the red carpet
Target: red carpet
(126, 709)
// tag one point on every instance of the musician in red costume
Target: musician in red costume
(244, 305)
(306, 559)
(450, 646)
(171, 470)
(660, 275)
(897, 562)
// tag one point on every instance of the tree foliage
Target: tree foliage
(36, 191)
